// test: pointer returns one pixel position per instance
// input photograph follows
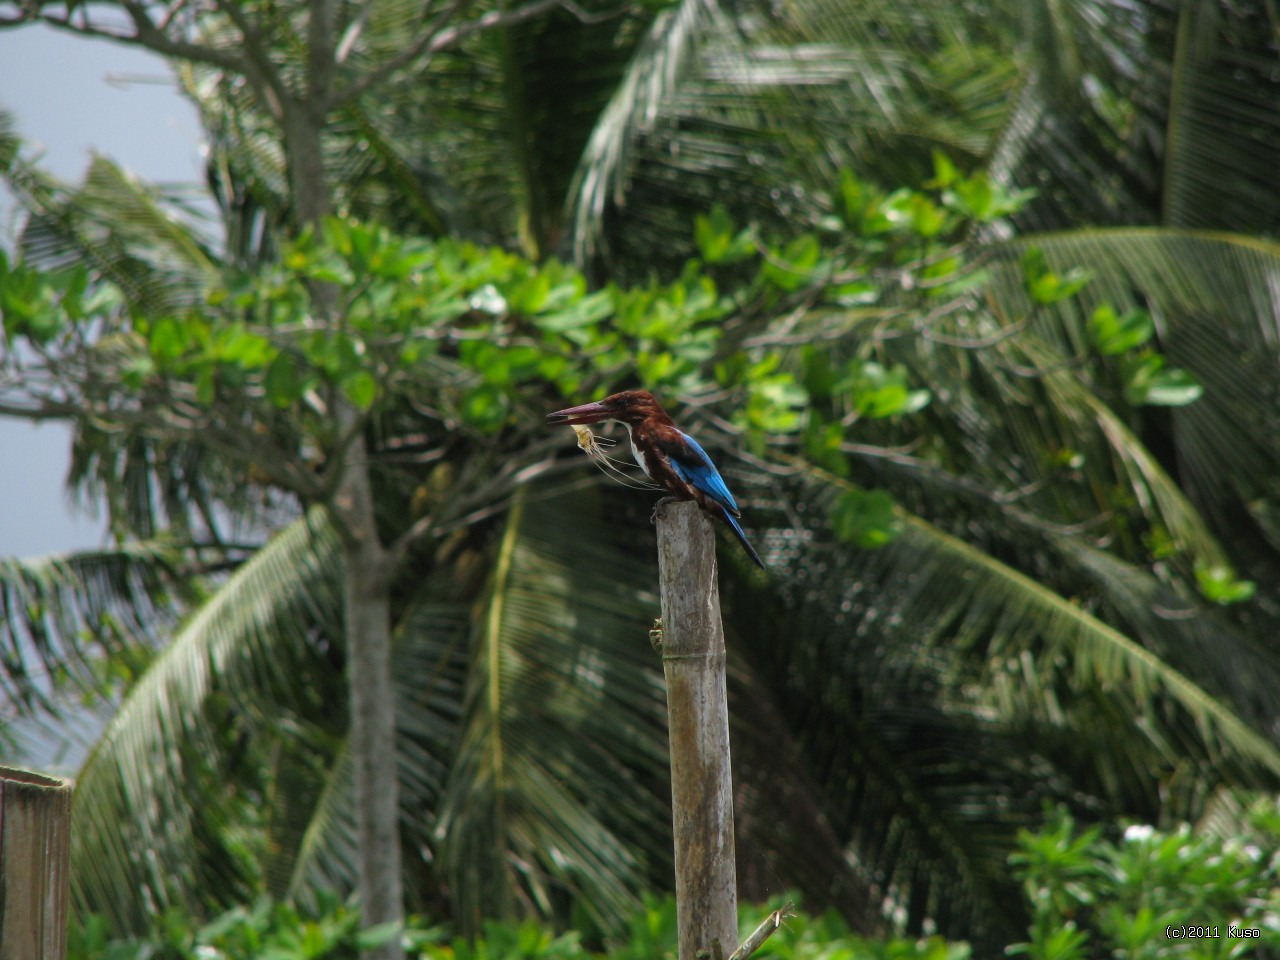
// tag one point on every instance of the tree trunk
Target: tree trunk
(308, 180)
(367, 578)
(373, 745)
(368, 569)
(693, 659)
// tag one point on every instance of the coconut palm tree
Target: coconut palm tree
(1034, 608)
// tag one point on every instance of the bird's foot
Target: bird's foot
(653, 517)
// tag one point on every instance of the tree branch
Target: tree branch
(259, 69)
(161, 421)
(484, 499)
(152, 36)
(755, 940)
(148, 35)
(437, 38)
(402, 59)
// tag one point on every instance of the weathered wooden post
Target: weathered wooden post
(693, 660)
(35, 849)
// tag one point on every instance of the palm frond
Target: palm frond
(152, 484)
(770, 105)
(940, 696)
(154, 799)
(1214, 300)
(659, 64)
(1008, 405)
(1223, 128)
(245, 171)
(1185, 632)
(24, 178)
(557, 788)
(915, 795)
(1157, 493)
(317, 850)
(64, 617)
(120, 228)
(1003, 616)
(789, 825)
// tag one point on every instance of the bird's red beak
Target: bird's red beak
(587, 413)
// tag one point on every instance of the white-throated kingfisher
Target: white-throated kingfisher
(666, 454)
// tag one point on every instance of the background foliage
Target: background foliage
(975, 307)
(1143, 894)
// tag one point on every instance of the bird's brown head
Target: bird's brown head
(629, 406)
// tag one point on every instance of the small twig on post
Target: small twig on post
(693, 660)
(763, 932)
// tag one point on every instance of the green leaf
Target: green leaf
(484, 408)
(944, 171)
(281, 380)
(103, 298)
(76, 282)
(249, 351)
(372, 937)
(329, 271)
(877, 392)
(1148, 382)
(975, 197)
(822, 442)
(855, 293)
(1173, 388)
(1044, 285)
(590, 310)
(713, 233)
(856, 198)
(531, 295)
(361, 388)
(792, 266)
(206, 384)
(983, 200)
(45, 322)
(865, 518)
(167, 340)
(136, 371)
(927, 218)
(1218, 584)
(1063, 942)
(1112, 334)
(776, 402)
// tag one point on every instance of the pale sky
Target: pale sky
(72, 97)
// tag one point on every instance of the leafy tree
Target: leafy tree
(1003, 501)
(299, 68)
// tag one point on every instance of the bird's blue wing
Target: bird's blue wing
(693, 466)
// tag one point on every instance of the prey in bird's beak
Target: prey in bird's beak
(586, 413)
(593, 446)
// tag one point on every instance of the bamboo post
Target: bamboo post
(693, 660)
(35, 849)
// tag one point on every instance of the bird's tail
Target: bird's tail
(741, 535)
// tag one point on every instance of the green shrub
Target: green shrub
(1142, 896)
(1151, 894)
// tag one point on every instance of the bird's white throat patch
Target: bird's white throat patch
(635, 452)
